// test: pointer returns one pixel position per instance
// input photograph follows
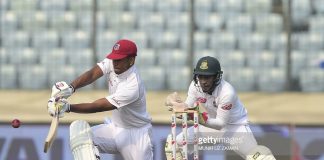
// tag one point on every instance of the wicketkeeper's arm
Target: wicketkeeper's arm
(216, 123)
(174, 102)
(224, 108)
(220, 121)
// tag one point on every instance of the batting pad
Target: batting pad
(81, 143)
(260, 153)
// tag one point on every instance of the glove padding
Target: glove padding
(202, 116)
(171, 98)
(59, 104)
(62, 90)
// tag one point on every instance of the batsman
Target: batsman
(225, 117)
(128, 131)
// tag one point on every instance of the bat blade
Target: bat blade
(51, 133)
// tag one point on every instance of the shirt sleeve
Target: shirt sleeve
(225, 106)
(223, 112)
(105, 65)
(124, 95)
(191, 97)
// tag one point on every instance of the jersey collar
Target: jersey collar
(126, 73)
(216, 90)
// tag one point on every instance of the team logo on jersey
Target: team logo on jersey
(202, 100)
(204, 65)
(59, 85)
(116, 46)
(227, 106)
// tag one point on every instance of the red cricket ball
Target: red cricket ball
(15, 123)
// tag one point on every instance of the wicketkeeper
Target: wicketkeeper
(128, 132)
(225, 115)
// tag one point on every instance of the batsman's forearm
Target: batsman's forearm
(99, 105)
(87, 78)
(89, 108)
(83, 80)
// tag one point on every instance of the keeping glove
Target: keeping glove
(174, 101)
(61, 105)
(62, 90)
(202, 117)
(171, 98)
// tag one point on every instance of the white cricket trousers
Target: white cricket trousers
(238, 138)
(131, 143)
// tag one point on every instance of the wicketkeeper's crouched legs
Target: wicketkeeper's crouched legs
(81, 141)
(244, 143)
(260, 153)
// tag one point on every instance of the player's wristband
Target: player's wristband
(71, 86)
(68, 110)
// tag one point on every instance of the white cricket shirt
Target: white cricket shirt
(223, 103)
(127, 94)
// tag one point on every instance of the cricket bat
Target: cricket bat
(52, 132)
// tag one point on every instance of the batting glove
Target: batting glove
(57, 107)
(62, 90)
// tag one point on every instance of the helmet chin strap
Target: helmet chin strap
(215, 84)
(210, 92)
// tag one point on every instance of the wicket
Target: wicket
(185, 133)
